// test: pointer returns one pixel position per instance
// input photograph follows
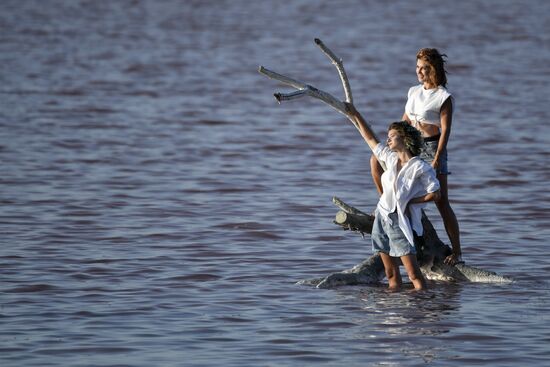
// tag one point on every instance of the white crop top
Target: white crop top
(424, 105)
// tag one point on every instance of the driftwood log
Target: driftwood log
(430, 254)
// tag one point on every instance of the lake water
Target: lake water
(158, 205)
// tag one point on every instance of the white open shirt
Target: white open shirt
(416, 178)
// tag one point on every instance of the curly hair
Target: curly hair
(411, 136)
(437, 74)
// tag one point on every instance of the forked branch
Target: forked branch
(309, 90)
(339, 66)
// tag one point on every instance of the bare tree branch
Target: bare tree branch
(304, 90)
(309, 90)
(339, 66)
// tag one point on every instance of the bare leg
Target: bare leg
(448, 216)
(413, 271)
(376, 172)
(392, 271)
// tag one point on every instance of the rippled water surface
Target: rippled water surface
(158, 206)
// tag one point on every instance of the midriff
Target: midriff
(428, 130)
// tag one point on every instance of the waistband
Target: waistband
(433, 138)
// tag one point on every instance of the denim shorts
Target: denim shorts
(427, 153)
(388, 238)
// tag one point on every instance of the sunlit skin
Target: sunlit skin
(394, 141)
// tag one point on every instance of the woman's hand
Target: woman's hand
(435, 164)
(364, 128)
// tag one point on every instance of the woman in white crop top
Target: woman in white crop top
(429, 108)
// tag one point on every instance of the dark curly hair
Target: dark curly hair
(437, 74)
(411, 136)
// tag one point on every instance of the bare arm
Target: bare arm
(364, 128)
(432, 196)
(446, 122)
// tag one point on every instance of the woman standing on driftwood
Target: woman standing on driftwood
(408, 183)
(429, 109)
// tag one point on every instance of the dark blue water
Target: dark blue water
(158, 205)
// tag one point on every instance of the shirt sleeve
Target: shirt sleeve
(408, 104)
(382, 152)
(411, 90)
(429, 179)
(447, 95)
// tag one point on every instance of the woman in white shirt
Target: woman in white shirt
(408, 184)
(429, 109)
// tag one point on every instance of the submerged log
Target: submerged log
(431, 252)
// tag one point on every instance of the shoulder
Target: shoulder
(382, 152)
(442, 95)
(414, 89)
(380, 149)
(443, 92)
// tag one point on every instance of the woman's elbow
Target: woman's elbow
(436, 195)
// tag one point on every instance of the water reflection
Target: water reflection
(407, 323)
(413, 313)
